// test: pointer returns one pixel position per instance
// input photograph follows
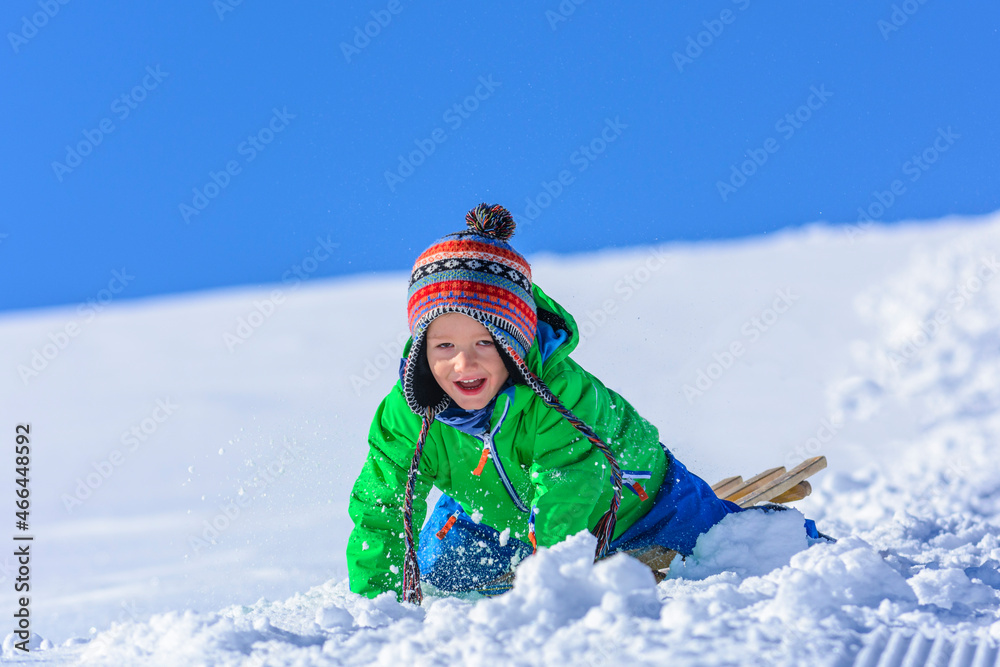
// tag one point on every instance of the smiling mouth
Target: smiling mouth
(471, 386)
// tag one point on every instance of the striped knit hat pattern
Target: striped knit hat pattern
(475, 272)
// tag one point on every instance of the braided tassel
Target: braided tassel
(411, 568)
(605, 528)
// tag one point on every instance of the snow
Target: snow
(176, 480)
(748, 544)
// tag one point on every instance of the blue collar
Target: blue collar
(473, 422)
(549, 339)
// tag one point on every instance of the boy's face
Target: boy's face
(464, 360)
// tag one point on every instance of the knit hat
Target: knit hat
(477, 273)
(474, 272)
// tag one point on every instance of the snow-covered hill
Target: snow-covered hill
(192, 458)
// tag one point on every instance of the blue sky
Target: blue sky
(196, 145)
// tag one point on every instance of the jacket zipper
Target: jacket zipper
(491, 451)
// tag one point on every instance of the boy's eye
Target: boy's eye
(485, 342)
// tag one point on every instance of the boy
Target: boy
(526, 445)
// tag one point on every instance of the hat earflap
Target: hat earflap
(419, 386)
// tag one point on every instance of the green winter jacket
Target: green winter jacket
(552, 466)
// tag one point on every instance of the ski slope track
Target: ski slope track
(189, 492)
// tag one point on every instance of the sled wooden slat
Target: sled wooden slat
(776, 487)
(754, 483)
(498, 586)
(797, 492)
(656, 558)
(729, 484)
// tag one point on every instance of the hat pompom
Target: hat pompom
(491, 221)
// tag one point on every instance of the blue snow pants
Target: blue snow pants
(684, 508)
(470, 554)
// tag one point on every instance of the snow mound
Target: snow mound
(187, 637)
(812, 604)
(559, 593)
(749, 544)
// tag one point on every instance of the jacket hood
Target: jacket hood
(543, 353)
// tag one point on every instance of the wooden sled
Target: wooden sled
(771, 486)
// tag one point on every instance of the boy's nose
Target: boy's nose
(465, 360)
